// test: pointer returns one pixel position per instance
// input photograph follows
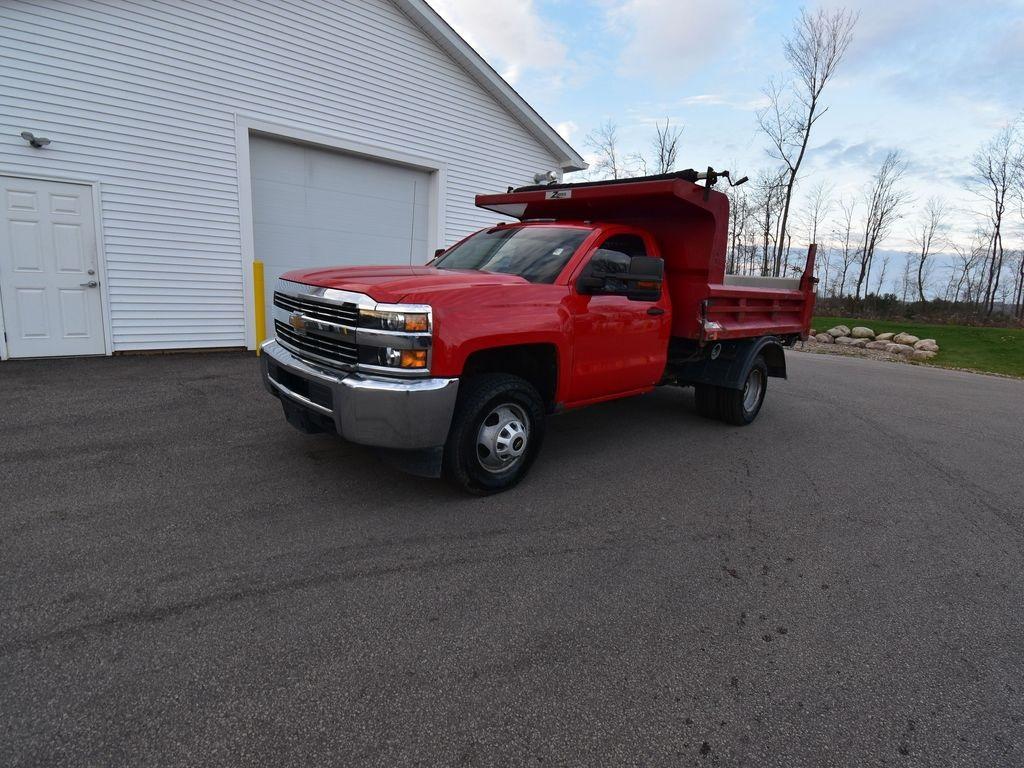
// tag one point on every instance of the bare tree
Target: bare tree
(604, 141)
(816, 210)
(844, 239)
(885, 199)
(666, 146)
(1018, 296)
(959, 274)
(927, 237)
(906, 279)
(636, 165)
(819, 205)
(998, 167)
(740, 219)
(967, 264)
(767, 205)
(881, 274)
(814, 50)
(1018, 284)
(823, 264)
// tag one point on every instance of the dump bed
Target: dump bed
(690, 224)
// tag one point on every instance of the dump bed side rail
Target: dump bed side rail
(746, 309)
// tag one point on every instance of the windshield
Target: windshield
(536, 254)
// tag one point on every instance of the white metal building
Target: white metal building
(188, 138)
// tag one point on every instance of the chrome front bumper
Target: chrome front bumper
(404, 414)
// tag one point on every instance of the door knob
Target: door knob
(90, 284)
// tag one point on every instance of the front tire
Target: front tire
(496, 433)
(741, 406)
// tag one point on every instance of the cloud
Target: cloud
(566, 129)
(512, 36)
(669, 39)
(704, 99)
(722, 100)
(924, 50)
(887, 22)
(863, 154)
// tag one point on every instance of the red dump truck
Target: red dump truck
(599, 290)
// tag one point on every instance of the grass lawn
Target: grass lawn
(994, 350)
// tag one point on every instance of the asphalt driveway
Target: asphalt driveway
(185, 580)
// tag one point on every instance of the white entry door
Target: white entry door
(49, 283)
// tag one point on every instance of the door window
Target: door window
(612, 257)
(614, 253)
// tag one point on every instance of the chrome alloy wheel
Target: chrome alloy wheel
(502, 438)
(752, 390)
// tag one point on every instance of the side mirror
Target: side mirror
(438, 252)
(640, 282)
(646, 275)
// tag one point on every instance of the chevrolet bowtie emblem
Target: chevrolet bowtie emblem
(298, 322)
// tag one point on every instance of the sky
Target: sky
(933, 78)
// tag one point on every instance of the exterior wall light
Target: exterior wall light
(37, 142)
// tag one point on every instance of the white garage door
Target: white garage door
(320, 208)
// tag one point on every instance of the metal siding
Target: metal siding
(142, 97)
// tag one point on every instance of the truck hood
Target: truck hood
(392, 284)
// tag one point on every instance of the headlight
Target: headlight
(408, 322)
(395, 336)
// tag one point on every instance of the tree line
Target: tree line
(979, 273)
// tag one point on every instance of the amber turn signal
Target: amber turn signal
(416, 323)
(414, 358)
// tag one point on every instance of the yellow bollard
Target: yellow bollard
(259, 305)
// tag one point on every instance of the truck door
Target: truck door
(619, 345)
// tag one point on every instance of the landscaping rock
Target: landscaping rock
(861, 341)
(849, 341)
(813, 332)
(899, 349)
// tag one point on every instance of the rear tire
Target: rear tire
(496, 433)
(741, 406)
(706, 398)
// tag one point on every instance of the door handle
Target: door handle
(655, 311)
(90, 284)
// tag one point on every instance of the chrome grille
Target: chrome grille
(316, 345)
(345, 314)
